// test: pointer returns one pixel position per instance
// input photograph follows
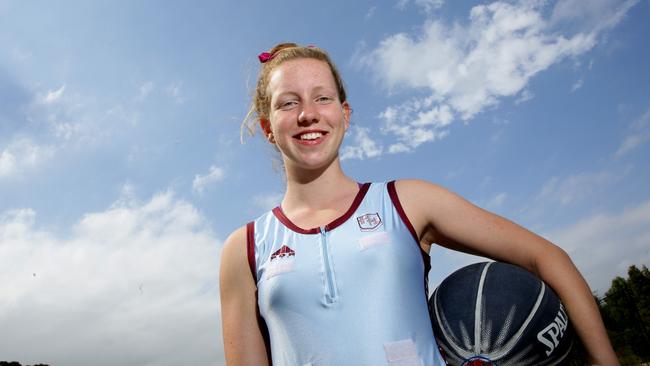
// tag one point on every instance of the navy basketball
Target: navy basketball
(494, 313)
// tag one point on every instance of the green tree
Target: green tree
(626, 313)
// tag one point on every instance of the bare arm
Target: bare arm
(242, 338)
(445, 218)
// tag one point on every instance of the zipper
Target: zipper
(331, 295)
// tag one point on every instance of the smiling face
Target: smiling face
(307, 119)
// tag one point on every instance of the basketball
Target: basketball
(494, 313)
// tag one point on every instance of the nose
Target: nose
(309, 114)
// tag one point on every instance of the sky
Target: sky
(122, 169)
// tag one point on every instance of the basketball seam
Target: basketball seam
(459, 351)
(477, 310)
(513, 341)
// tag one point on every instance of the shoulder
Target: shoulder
(426, 200)
(234, 254)
(408, 189)
(236, 239)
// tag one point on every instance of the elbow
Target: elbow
(550, 258)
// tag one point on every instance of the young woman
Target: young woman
(336, 274)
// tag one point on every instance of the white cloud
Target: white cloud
(133, 285)
(567, 190)
(175, 92)
(415, 122)
(631, 142)
(122, 115)
(605, 245)
(509, 40)
(370, 13)
(144, 90)
(69, 117)
(599, 15)
(53, 96)
(401, 4)
(496, 201)
(364, 146)
(60, 113)
(7, 163)
(201, 182)
(427, 5)
(469, 67)
(524, 96)
(639, 135)
(22, 154)
(577, 85)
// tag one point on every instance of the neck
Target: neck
(318, 188)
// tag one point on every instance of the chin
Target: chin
(316, 163)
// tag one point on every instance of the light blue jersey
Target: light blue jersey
(349, 293)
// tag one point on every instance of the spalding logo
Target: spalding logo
(550, 336)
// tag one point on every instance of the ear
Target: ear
(265, 124)
(347, 113)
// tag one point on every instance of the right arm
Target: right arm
(242, 338)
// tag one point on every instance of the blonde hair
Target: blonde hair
(280, 53)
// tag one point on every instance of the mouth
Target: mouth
(310, 136)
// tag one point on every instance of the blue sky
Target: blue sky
(122, 171)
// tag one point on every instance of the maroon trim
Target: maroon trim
(355, 204)
(279, 214)
(250, 248)
(392, 192)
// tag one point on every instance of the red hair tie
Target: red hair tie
(265, 57)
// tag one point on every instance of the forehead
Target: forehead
(300, 73)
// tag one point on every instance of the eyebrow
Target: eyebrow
(316, 89)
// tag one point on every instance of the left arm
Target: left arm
(442, 217)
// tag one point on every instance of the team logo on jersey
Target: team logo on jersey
(283, 252)
(282, 261)
(369, 222)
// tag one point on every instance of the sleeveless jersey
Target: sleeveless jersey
(350, 293)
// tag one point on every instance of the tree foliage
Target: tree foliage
(626, 312)
(625, 309)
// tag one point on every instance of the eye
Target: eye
(287, 104)
(324, 99)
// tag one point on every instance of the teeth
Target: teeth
(311, 136)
